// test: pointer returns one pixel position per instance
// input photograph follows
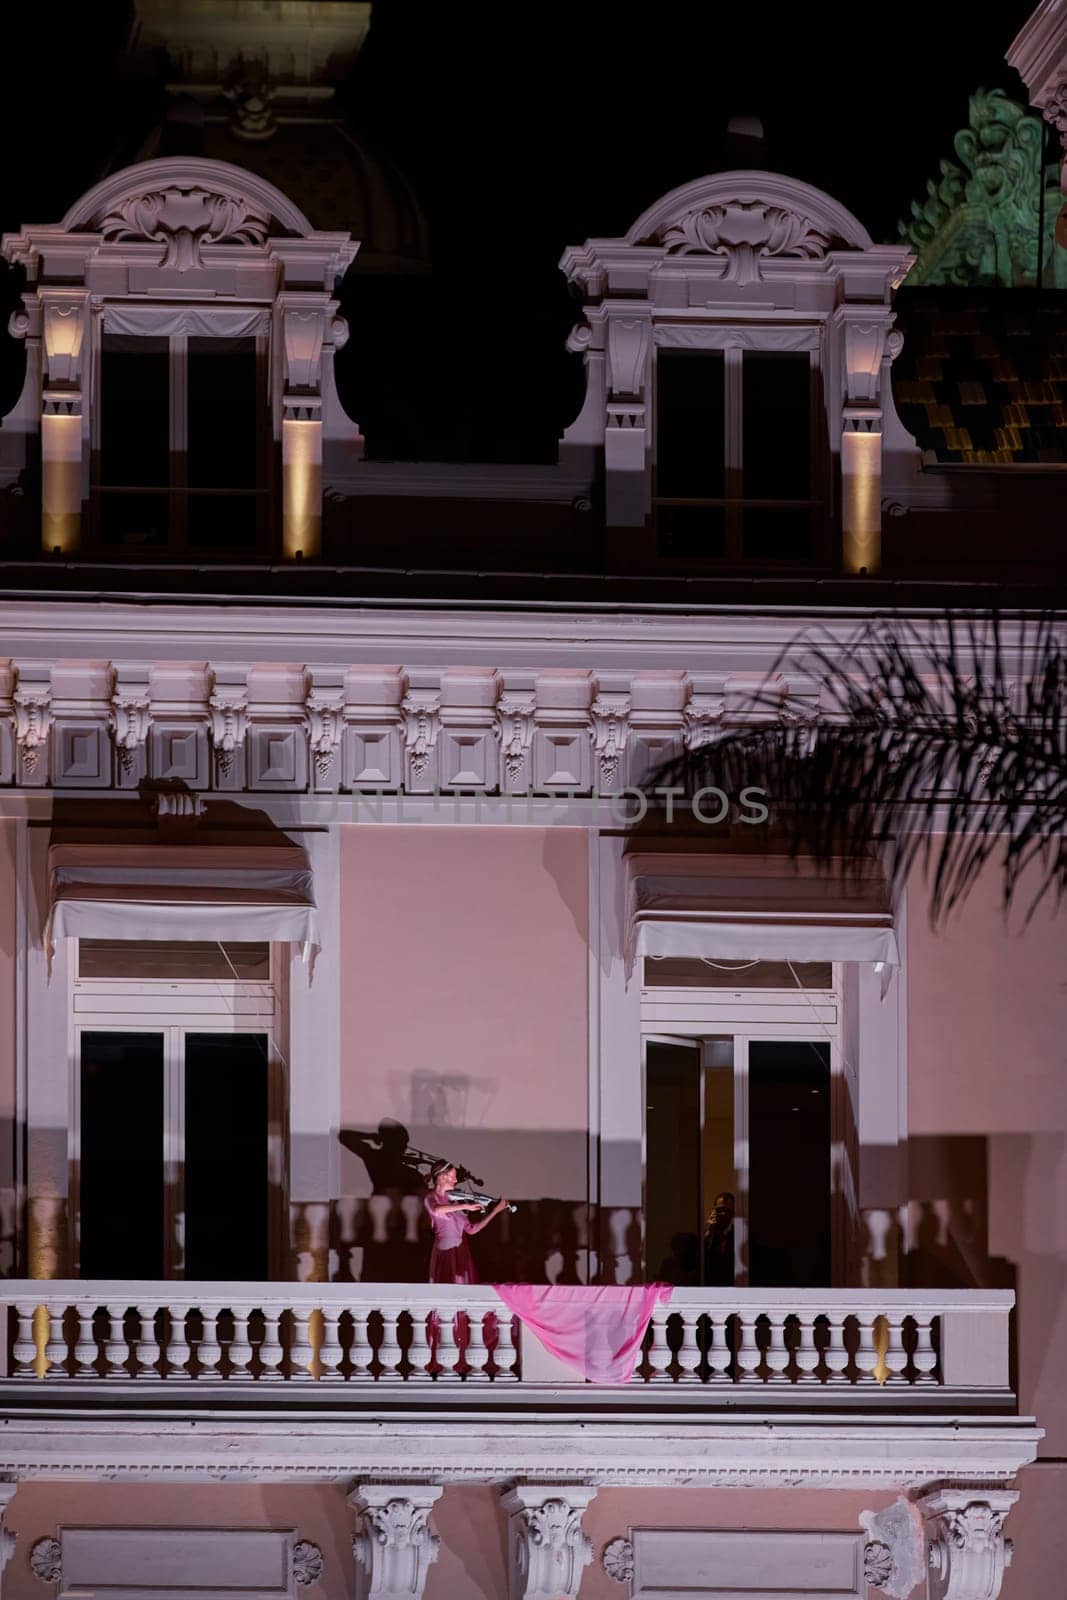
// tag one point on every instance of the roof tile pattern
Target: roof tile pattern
(982, 377)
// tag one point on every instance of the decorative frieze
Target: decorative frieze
(81, 713)
(562, 746)
(394, 1546)
(178, 740)
(468, 743)
(372, 740)
(548, 1550)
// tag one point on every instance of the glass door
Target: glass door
(172, 1154)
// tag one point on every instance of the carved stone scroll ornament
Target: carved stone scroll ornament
(548, 1549)
(894, 1557)
(183, 220)
(617, 1559)
(130, 719)
(46, 1561)
(33, 718)
(394, 1550)
(514, 730)
(966, 1548)
(307, 1562)
(325, 723)
(229, 723)
(746, 232)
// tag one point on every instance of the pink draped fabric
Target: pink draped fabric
(598, 1330)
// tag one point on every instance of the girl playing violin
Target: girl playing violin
(450, 1259)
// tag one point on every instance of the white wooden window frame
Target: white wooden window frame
(690, 1015)
(175, 1007)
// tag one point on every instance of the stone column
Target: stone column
(393, 1546)
(547, 1549)
(966, 1548)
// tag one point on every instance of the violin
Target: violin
(470, 1197)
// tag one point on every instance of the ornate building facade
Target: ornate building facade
(315, 865)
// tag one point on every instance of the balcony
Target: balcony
(309, 1380)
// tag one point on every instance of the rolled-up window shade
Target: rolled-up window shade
(245, 893)
(758, 908)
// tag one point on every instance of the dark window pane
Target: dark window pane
(134, 520)
(185, 958)
(222, 521)
(776, 425)
(226, 1189)
(789, 1164)
(690, 441)
(224, 404)
(121, 1173)
(672, 1163)
(773, 534)
(135, 413)
(686, 972)
(698, 532)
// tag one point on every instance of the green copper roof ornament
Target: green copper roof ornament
(980, 220)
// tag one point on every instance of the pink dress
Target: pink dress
(450, 1258)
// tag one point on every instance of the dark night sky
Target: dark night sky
(528, 127)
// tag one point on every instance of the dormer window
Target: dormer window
(736, 344)
(737, 454)
(181, 446)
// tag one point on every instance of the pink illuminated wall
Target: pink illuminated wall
(987, 1096)
(464, 1009)
(8, 925)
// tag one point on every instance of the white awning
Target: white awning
(228, 892)
(756, 908)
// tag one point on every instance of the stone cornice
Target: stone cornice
(644, 1448)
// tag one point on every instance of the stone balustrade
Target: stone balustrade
(823, 1345)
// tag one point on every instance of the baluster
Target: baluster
(389, 1352)
(718, 1349)
(806, 1354)
(747, 1356)
(330, 1353)
(361, 1353)
(476, 1355)
(24, 1350)
(777, 1352)
(505, 1355)
(836, 1353)
(447, 1356)
(419, 1349)
(659, 1351)
(924, 1356)
(690, 1354)
(116, 1349)
(240, 1346)
(895, 1359)
(85, 1349)
(209, 1354)
(270, 1349)
(302, 1352)
(866, 1351)
(146, 1345)
(178, 1352)
(56, 1348)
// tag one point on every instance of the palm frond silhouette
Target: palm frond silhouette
(939, 741)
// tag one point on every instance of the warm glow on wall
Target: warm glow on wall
(861, 501)
(61, 483)
(301, 489)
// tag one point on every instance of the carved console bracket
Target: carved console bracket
(394, 1547)
(547, 1548)
(966, 1548)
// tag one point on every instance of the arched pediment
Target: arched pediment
(185, 202)
(744, 211)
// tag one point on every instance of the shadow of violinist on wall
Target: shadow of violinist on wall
(389, 1233)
